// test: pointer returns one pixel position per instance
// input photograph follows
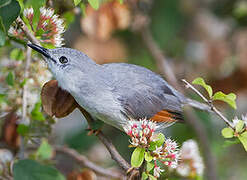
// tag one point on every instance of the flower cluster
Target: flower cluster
(161, 151)
(49, 26)
(191, 164)
(141, 132)
(168, 154)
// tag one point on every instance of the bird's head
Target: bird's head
(66, 64)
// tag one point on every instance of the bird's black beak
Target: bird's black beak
(40, 49)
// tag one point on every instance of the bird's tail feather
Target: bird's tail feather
(198, 105)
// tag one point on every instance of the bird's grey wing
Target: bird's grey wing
(144, 94)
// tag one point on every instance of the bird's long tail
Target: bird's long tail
(198, 105)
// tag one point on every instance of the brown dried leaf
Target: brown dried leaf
(64, 104)
(100, 24)
(48, 96)
(10, 135)
(56, 101)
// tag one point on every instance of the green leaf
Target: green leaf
(9, 11)
(40, 32)
(2, 98)
(94, 4)
(137, 157)
(227, 132)
(36, 6)
(22, 129)
(229, 98)
(69, 18)
(144, 176)
(243, 139)
(160, 139)
(150, 166)
(31, 170)
(244, 134)
(21, 4)
(148, 156)
(17, 54)
(23, 82)
(10, 78)
(200, 81)
(76, 2)
(36, 114)
(45, 150)
(239, 126)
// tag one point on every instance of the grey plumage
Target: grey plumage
(141, 92)
(112, 92)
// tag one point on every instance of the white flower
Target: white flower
(58, 40)
(135, 141)
(183, 169)
(244, 118)
(190, 159)
(174, 164)
(171, 145)
(158, 150)
(157, 171)
(11, 30)
(46, 13)
(146, 131)
(143, 140)
(141, 131)
(128, 130)
(235, 121)
(152, 126)
(49, 12)
(28, 13)
(44, 24)
(144, 123)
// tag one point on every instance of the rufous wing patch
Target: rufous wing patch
(166, 116)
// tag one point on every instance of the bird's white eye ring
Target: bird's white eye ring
(63, 60)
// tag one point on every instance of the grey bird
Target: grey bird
(115, 93)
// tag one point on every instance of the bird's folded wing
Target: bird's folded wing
(143, 101)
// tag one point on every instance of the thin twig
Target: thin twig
(24, 102)
(113, 151)
(84, 161)
(26, 31)
(110, 147)
(213, 108)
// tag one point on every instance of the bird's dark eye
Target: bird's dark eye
(63, 60)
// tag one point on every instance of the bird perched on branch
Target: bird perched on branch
(115, 93)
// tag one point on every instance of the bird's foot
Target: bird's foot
(93, 131)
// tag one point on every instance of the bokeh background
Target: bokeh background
(200, 38)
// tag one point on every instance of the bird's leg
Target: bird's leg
(93, 131)
(95, 127)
